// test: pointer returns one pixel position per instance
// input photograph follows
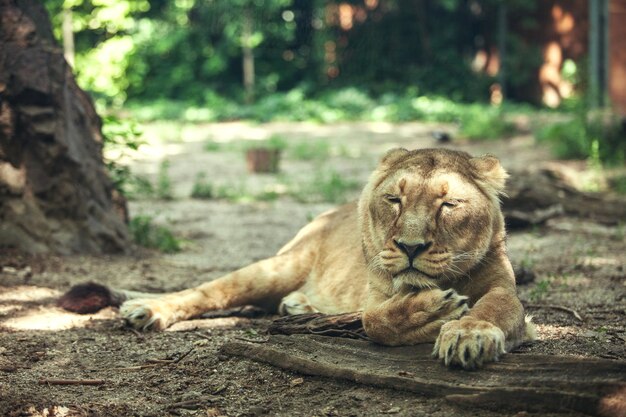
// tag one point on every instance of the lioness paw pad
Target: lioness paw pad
(469, 343)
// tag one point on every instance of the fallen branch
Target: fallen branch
(557, 307)
(184, 355)
(46, 381)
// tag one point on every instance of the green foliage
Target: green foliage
(190, 52)
(164, 189)
(479, 122)
(476, 120)
(587, 136)
(120, 136)
(149, 235)
(618, 184)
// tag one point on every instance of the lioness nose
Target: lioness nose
(413, 250)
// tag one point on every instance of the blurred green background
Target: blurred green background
(478, 63)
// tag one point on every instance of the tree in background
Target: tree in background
(55, 194)
(188, 49)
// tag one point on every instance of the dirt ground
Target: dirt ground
(578, 296)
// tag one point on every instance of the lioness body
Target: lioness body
(423, 245)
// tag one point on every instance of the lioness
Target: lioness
(422, 254)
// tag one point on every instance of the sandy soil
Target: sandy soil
(578, 265)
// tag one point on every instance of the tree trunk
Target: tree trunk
(248, 56)
(55, 195)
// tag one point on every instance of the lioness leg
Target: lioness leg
(493, 325)
(415, 317)
(263, 283)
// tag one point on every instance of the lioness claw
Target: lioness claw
(469, 343)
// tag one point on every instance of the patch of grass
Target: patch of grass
(527, 262)
(275, 141)
(346, 104)
(326, 186)
(237, 193)
(211, 146)
(310, 150)
(164, 189)
(202, 189)
(540, 290)
(149, 235)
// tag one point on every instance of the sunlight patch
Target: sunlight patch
(554, 332)
(600, 261)
(5, 310)
(53, 318)
(27, 293)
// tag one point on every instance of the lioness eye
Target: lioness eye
(448, 204)
(393, 199)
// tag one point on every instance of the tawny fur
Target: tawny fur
(422, 254)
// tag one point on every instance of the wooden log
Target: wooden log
(534, 196)
(533, 383)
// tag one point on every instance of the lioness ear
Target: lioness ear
(490, 171)
(393, 156)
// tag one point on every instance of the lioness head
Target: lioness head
(429, 216)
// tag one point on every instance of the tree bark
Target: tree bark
(55, 195)
(338, 325)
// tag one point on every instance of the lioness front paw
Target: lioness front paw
(469, 343)
(146, 314)
(449, 305)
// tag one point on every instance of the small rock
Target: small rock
(392, 410)
(296, 382)
(441, 136)
(523, 275)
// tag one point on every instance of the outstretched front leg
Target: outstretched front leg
(411, 318)
(263, 283)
